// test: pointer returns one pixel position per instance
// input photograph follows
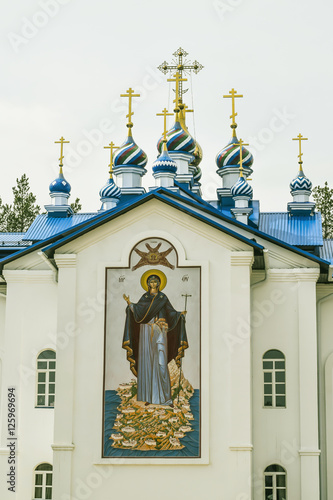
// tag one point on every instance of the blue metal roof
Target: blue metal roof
(183, 203)
(11, 237)
(43, 226)
(295, 230)
(326, 251)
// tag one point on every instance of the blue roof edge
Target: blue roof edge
(60, 239)
(153, 194)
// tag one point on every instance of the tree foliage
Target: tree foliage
(76, 206)
(323, 196)
(19, 216)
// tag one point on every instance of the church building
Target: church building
(168, 345)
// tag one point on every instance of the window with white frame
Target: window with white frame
(275, 483)
(46, 367)
(43, 482)
(274, 367)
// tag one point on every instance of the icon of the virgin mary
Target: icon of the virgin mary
(154, 334)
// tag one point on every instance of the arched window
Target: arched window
(43, 481)
(46, 366)
(275, 483)
(274, 366)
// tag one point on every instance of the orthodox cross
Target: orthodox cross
(165, 114)
(184, 109)
(186, 295)
(233, 95)
(300, 138)
(61, 142)
(111, 147)
(178, 80)
(241, 144)
(130, 94)
(182, 64)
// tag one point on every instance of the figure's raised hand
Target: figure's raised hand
(184, 313)
(126, 297)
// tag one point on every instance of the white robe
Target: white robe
(153, 375)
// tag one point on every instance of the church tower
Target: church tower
(60, 190)
(130, 160)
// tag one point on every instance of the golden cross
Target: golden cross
(181, 65)
(233, 95)
(187, 110)
(62, 142)
(165, 114)
(240, 143)
(111, 146)
(178, 79)
(130, 94)
(183, 110)
(300, 138)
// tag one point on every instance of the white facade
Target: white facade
(59, 305)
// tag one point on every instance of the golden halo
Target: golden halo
(158, 273)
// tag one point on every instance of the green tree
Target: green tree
(76, 206)
(19, 216)
(323, 196)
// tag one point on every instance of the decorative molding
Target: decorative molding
(297, 274)
(285, 260)
(63, 447)
(65, 259)
(242, 258)
(241, 447)
(309, 453)
(28, 276)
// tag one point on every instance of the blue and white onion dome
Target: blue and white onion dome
(229, 156)
(60, 185)
(164, 163)
(110, 190)
(242, 188)
(130, 154)
(300, 183)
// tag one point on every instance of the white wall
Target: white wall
(30, 327)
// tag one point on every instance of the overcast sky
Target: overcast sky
(65, 62)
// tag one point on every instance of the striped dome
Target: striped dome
(229, 156)
(110, 190)
(130, 154)
(60, 185)
(300, 183)
(242, 188)
(197, 174)
(164, 164)
(178, 140)
(197, 155)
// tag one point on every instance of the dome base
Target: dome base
(59, 210)
(305, 208)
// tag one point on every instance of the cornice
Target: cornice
(241, 447)
(297, 274)
(65, 259)
(63, 447)
(241, 258)
(309, 453)
(28, 276)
